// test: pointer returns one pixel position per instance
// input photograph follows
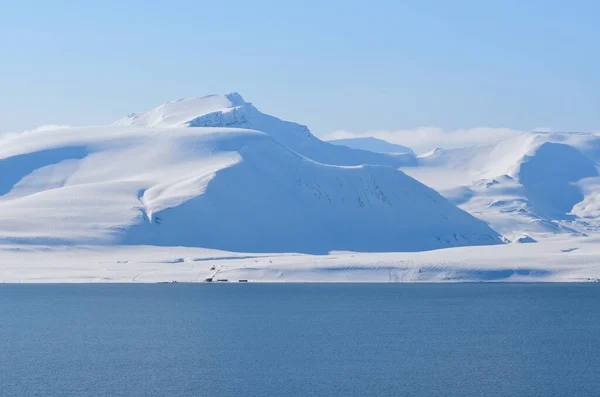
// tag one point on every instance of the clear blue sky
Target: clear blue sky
(350, 65)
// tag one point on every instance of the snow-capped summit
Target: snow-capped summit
(230, 110)
(188, 112)
(240, 181)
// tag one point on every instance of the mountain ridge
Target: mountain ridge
(230, 110)
(153, 180)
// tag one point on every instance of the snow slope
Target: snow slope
(373, 145)
(222, 188)
(149, 199)
(538, 183)
(230, 110)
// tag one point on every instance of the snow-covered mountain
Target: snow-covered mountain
(536, 183)
(150, 199)
(373, 145)
(149, 179)
(230, 110)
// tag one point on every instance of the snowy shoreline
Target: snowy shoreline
(553, 260)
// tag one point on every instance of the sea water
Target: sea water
(300, 340)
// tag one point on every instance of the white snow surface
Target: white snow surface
(208, 182)
(553, 260)
(221, 188)
(230, 110)
(538, 184)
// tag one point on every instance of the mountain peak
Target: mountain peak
(231, 111)
(235, 98)
(181, 112)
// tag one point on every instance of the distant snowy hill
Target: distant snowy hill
(538, 183)
(230, 110)
(373, 145)
(149, 179)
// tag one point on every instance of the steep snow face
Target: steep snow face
(231, 110)
(536, 183)
(549, 174)
(373, 145)
(225, 188)
(303, 206)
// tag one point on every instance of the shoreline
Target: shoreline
(554, 260)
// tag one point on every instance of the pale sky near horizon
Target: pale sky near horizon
(353, 66)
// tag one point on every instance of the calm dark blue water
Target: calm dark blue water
(300, 340)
